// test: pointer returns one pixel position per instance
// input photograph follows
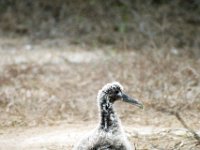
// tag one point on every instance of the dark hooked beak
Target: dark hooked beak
(130, 100)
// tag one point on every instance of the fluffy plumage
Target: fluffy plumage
(109, 134)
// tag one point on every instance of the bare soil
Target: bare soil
(64, 136)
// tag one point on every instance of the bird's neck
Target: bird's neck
(109, 120)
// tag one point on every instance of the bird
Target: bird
(109, 134)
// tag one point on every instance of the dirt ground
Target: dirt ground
(48, 95)
(65, 136)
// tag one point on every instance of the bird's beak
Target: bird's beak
(130, 100)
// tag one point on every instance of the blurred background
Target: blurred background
(56, 54)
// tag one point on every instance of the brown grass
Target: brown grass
(43, 86)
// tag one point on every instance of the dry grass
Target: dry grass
(166, 139)
(43, 86)
(152, 48)
(40, 87)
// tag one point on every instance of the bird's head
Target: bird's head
(112, 92)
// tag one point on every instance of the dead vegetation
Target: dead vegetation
(44, 87)
(55, 59)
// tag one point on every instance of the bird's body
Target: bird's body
(109, 134)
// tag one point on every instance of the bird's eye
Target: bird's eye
(116, 92)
